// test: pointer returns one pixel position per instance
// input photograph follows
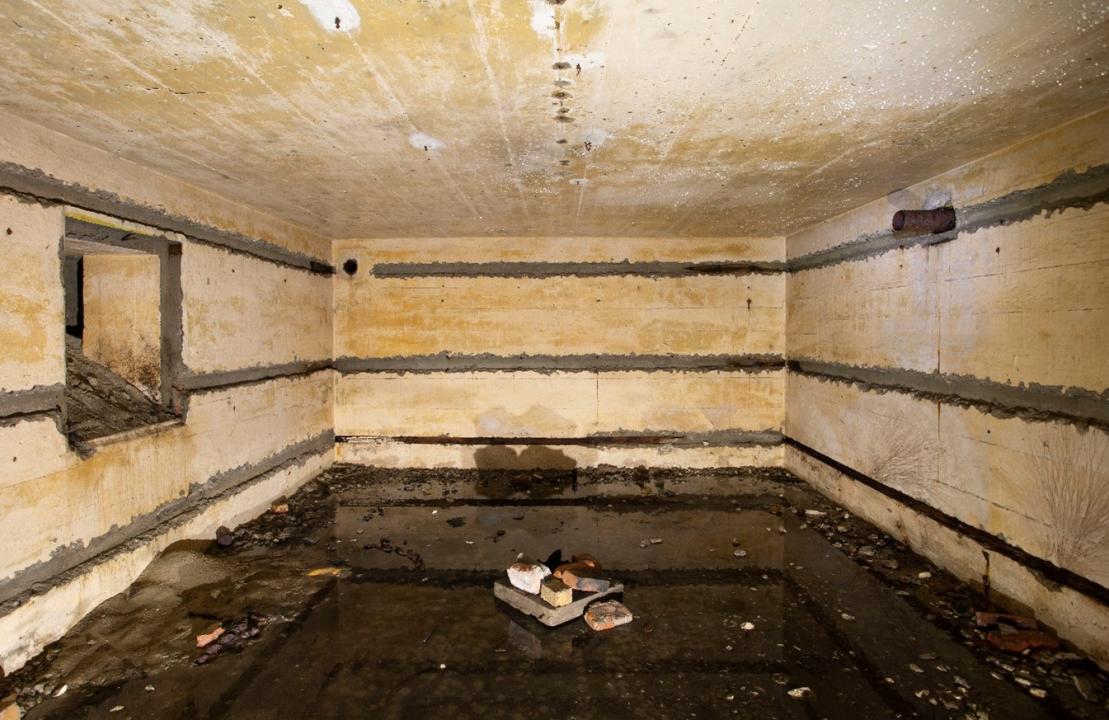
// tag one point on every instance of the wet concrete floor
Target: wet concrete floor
(372, 598)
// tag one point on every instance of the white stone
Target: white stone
(528, 576)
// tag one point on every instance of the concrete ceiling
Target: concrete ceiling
(362, 118)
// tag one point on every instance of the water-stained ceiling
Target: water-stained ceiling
(552, 117)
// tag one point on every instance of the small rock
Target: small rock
(1038, 692)
(748, 626)
(656, 541)
(61, 691)
(117, 708)
(916, 668)
(206, 639)
(924, 575)
(280, 506)
(527, 575)
(607, 615)
(555, 592)
(815, 513)
(740, 553)
(800, 693)
(643, 543)
(149, 688)
(224, 536)
(846, 616)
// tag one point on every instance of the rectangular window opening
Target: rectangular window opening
(123, 329)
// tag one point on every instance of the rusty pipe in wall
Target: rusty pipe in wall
(921, 221)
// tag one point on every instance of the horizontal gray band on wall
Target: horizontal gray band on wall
(1069, 190)
(573, 269)
(40, 187)
(210, 382)
(39, 400)
(68, 562)
(990, 542)
(548, 364)
(1029, 402)
(649, 438)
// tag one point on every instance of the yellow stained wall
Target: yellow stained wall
(1025, 303)
(238, 312)
(123, 319)
(627, 315)
(30, 296)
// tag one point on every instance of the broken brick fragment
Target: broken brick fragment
(991, 619)
(556, 593)
(280, 506)
(607, 615)
(1022, 640)
(586, 559)
(581, 576)
(527, 575)
(205, 639)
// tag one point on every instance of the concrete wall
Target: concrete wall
(586, 345)
(971, 374)
(78, 527)
(123, 320)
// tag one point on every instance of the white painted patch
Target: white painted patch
(596, 137)
(334, 15)
(588, 61)
(420, 141)
(543, 18)
(579, 181)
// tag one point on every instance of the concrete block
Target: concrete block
(544, 612)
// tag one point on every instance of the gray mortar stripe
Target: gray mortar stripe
(36, 401)
(70, 561)
(647, 438)
(208, 382)
(1036, 565)
(40, 187)
(574, 269)
(548, 364)
(1070, 189)
(1030, 402)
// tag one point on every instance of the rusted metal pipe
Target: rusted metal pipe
(921, 221)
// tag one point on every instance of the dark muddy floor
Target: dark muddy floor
(371, 598)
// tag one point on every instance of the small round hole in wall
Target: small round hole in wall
(350, 266)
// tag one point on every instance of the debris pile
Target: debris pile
(574, 589)
(229, 637)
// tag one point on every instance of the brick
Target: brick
(556, 593)
(607, 615)
(581, 576)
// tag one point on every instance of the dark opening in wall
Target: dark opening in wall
(122, 308)
(350, 266)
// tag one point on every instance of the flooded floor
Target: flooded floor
(371, 598)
